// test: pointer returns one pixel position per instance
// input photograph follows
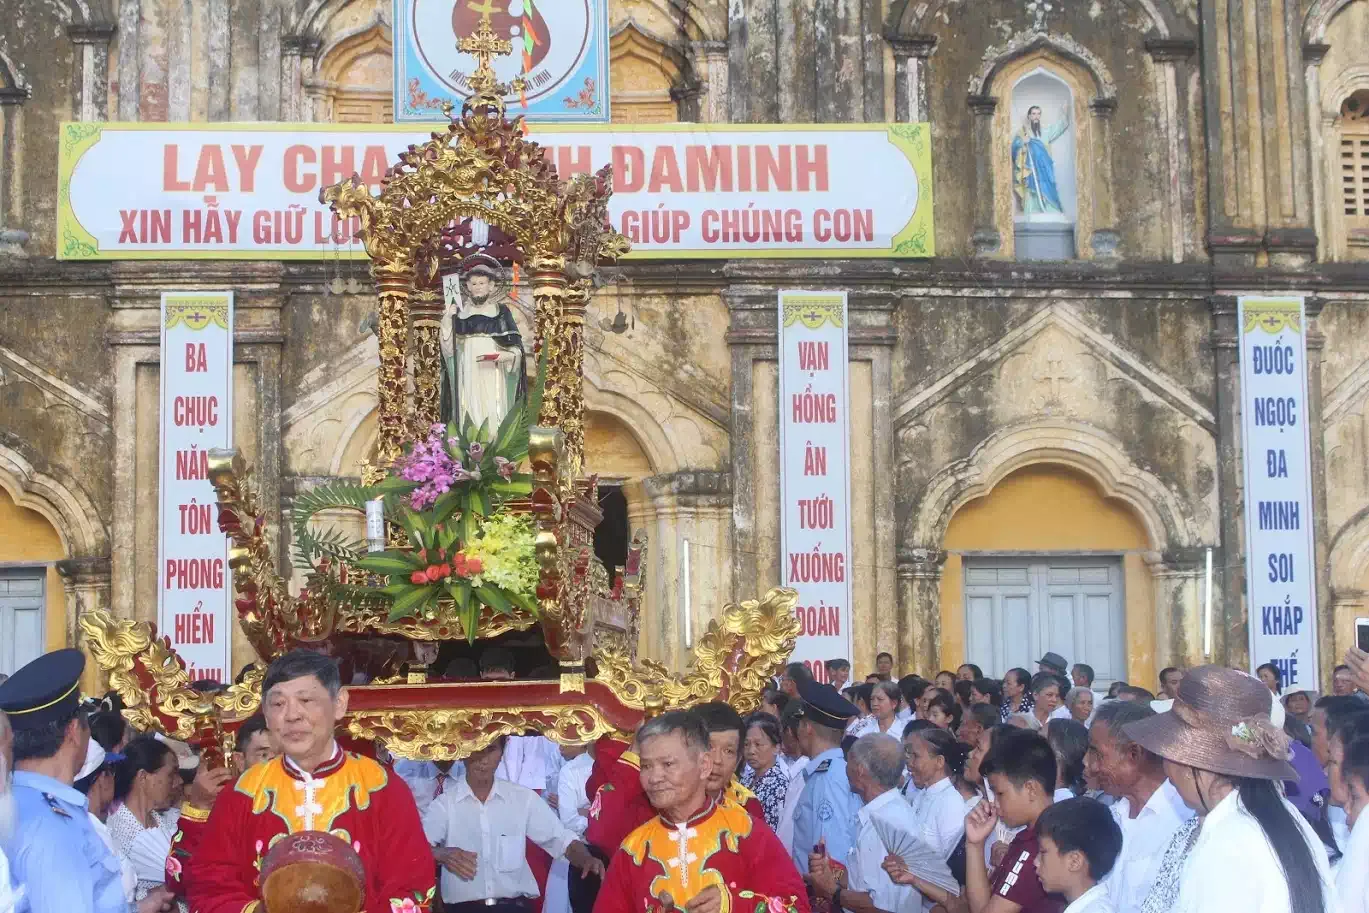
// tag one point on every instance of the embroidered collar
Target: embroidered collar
(330, 766)
(694, 819)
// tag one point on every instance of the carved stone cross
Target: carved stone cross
(1040, 9)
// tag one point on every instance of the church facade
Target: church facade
(1045, 417)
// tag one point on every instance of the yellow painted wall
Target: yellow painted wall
(1048, 508)
(26, 536)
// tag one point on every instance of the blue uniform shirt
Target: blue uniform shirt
(827, 809)
(56, 855)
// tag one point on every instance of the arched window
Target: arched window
(1354, 168)
(354, 79)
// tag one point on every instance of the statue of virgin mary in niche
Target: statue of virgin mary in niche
(483, 373)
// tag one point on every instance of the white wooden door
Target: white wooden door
(1016, 609)
(21, 617)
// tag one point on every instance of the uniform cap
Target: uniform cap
(45, 690)
(823, 705)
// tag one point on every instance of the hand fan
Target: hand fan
(148, 854)
(921, 859)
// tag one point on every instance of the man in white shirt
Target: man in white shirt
(794, 768)
(428, 779)
(874, 766)
(1149, 809)
(572, 805)
(480, 828)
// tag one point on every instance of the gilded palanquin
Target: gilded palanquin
(481, 170)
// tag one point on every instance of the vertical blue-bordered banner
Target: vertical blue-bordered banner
(560, 48)
(815, 472)
(1281, 588)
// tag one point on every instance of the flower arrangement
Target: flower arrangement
(446, 493)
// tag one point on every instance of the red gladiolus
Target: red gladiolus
(446, 569)
(474, 566)
(460, 565)
(418, 577)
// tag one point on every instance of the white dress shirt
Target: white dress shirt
(905, 716)
(529, 760)
(1352, 874)
(1061, 713)
(496, 830)
(1233, 867)
(10, 899)
(570, 798)
(863, 866)
(425, 781)
(1144, 839)
(1094, 900)
(940, 813)
(570, 792)
(791, 801)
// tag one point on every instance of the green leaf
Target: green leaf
(395, 484)
(397, 589)
(525, 601)
(448, 537)
(482, 434)
(494, 597)
(521, 484)
(445, 506)
(479, 501)
(391, 562)
(460, 590)
(407, 603)
(470, 620)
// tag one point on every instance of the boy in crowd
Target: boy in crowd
(1020, 769)
(1078, 843)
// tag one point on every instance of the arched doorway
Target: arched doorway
(32, 598)
(1045, 561)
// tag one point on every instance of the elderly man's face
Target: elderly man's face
(1343, 682)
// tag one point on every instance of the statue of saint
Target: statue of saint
(1034, 184)
(482, 351)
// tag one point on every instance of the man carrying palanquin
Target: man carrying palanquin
(697, 854)
(216, 856)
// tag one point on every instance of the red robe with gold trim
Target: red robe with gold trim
(215, 860)
(619, 804)
(662, 865)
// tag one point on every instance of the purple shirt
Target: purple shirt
(1309, 792)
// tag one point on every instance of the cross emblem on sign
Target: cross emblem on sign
(198, 315)
(812, 317)
(685, 857)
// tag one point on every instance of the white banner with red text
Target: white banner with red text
(250, 191)
(193, 582)
(815, 477)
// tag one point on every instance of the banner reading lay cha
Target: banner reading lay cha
(250, 191)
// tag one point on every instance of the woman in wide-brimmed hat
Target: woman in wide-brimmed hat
(1247, 849)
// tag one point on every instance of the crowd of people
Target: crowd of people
(959, 792)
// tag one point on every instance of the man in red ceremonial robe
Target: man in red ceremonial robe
(699, 854)
(216, 856)
(620, 805)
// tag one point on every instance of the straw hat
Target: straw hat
(1219, 722)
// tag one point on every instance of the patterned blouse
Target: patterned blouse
(770, 789)
(124, 828)
(1024, 706)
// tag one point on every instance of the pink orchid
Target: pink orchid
(477, 451)
(504, 468)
